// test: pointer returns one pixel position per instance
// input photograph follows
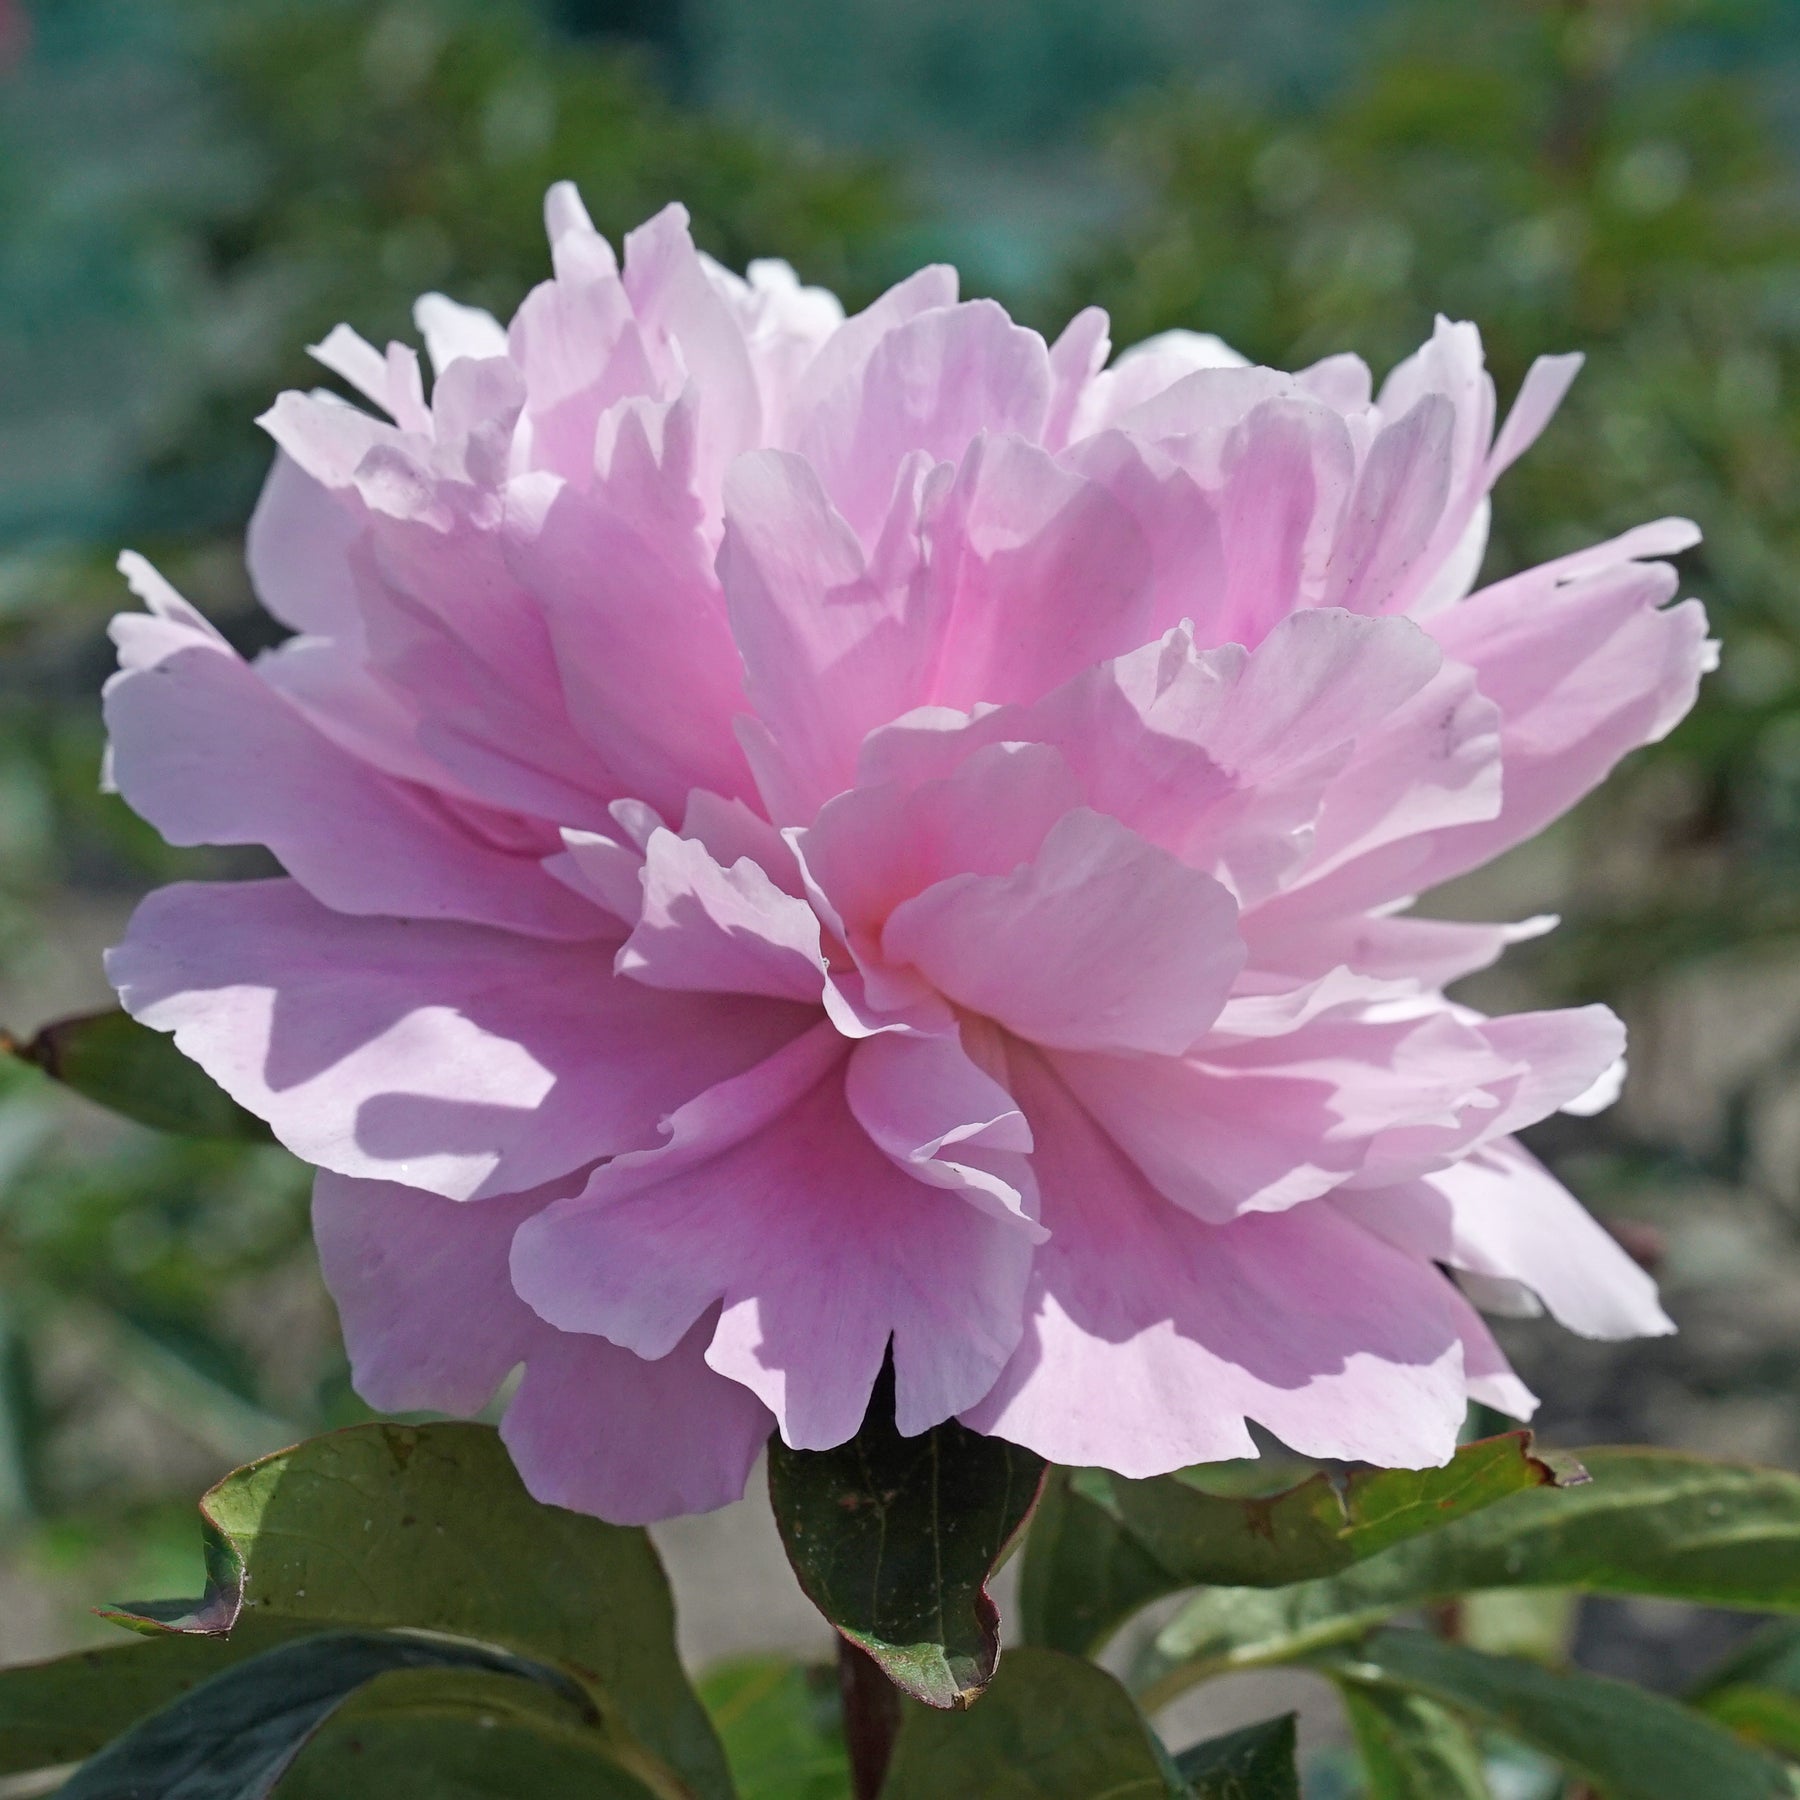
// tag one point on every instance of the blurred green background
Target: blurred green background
(191, 190)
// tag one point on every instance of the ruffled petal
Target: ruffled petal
(209, 755)
(599, 1430)
(448, 1057)
(430, 1318)
(770, 1198)
(1500, 1213)
(1102, 941)
(1152, 1338)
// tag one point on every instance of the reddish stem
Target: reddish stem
(871, 1718)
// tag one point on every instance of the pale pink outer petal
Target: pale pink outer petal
(770, 1198)
(599, 1430)
(1102, 941)
(430, 1318)
(1501, 1213)
(209, 755)
(1429, 953)
(1491, 1379)
(718, 930)
(1152, 1338)
(449, 1057)
(298, 549)
(1582, 674)
(431, 1322)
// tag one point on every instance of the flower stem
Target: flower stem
(871, 1718)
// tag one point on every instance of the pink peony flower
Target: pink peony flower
(810, 835)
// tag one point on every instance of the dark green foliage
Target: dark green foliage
(1630, 1744)
(1256, 1763)
(236, 1736)
(112, 1060)
(1109, 1546)
(1051, 1728)
(894, 1540)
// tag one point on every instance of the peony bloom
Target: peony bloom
(807, 836)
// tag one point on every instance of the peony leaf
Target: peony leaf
(111, 1059)
(1256, 1763)
(1051, 1727)
(1630, 1744)
(1105, 1546)
(1411, 1747)
(235, 1736)
(58, 1712)
(428, 1528)
(1765, 1716)
(782, 1728)
(893, 1540)
(1649, 1522)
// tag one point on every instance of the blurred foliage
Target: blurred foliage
(1571, 174)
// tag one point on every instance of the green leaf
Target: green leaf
(428, 1527)
(1411, 1747)
(1083, 1572)
(418, 1735)
(128, 1068)
(1761, 1715)
(1050, 1728)
(782, 1728)
(58, 1712)
(1649, 1522)
(894, 1539)
(1629, 1744)
(1770, 1659)
(234, 1737)
(1110, 1546)
(1256, 1763)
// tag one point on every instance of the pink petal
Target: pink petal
(1546, 382)
(691, 336)
(298, 551)
(454, 332)
(209, 755)
(644, 651)
(430, 1318)
(832, 646)
(1399, 500)
(1582, 674)
(1153, 1338)
(720, 930)
(1101, 942)
(941, 1118)
(1501, 1213)
(769, 1198)
(880, 844)
(931, 385)
(1076, 358)
(1287, 474)
(449, 1057)
(1036, 573)
(598, 1430)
